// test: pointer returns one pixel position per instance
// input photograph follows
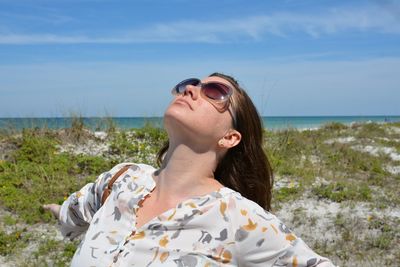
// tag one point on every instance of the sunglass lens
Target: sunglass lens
(181, 87)
(216, 91)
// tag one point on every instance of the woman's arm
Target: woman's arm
(76, 213)
(53, 208)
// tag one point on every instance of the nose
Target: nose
(192, 90)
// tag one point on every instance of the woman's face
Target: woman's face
(191, 116)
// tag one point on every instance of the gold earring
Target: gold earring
(220, 143)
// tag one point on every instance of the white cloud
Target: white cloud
(373, 18)
(50, 16)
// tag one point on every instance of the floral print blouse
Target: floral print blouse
(222, 228)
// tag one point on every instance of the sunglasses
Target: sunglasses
(215, 91)
(218, 94)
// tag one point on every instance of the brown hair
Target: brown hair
(245, 168)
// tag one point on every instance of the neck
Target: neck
(186, 173)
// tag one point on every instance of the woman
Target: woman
(207, 205)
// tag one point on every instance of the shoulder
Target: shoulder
(253, 224)
(134, 167)
(129, 172)
(244, 207)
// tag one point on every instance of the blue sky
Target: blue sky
(120, 58)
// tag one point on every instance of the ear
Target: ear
(230, 139)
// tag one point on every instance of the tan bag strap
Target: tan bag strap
(107, 191)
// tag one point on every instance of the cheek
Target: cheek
(216, 122)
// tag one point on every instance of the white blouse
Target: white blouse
(222, 228)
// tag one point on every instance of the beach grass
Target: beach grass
(335, 186)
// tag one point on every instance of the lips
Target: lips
(183, 102)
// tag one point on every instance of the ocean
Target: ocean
(99, 124)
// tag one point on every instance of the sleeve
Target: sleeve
(78, 209)
(263, 240)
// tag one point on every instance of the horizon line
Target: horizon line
(157, 117)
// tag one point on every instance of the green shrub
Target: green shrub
(341, 191)
(139, 145)
(39, 176)
(122, 145)
(334, 126)
(92, 164)
(60, 252)
(35, 148)
(286, 151)
(15, 240)
(285, 194)
(371, 129)
(386, 233)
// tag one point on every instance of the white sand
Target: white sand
(100, 135)
(395, 130)
(375, 151)
(393, 169)
(91, 148)
(342, 140)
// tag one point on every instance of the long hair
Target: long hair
(245, 167)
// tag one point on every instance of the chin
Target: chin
(174, 118)
(178, 123)
(181, 122)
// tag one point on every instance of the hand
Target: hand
(53, 208)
